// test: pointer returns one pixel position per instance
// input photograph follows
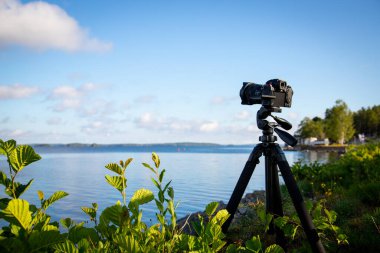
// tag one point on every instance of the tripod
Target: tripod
(274, 156)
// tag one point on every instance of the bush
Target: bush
(351, 186)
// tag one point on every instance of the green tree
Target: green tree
(339, 124)
(311, 128)
(367, 121)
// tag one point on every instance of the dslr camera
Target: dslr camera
(275, 93)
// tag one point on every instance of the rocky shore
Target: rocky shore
(250, 199)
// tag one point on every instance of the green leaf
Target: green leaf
(89, 211)
(309, 205)
(43, 239)
(232, 248)
(167, 185)
(155, 182)
(171, 207)
(2, 151)
(161, 196)
(254, 244)
(221, 217)
(84, 245)
(4, 203)
(281, 221)
(40, 195)
(116, 182)
(111, 214)
(67, 222)
(115, 168)
(211, 208)
(53, 198)
(22, 156)
(18, 212)
(161, 176)
(159, 205)
(331, 215)
(49, 227)
(142, 196)
(127, 162)
(197, 227)
(160, 218)
(266, 218)
(39, 220)
(171, 192)
(274, 248)
(78, 233)
(156, 160)
(127, 243)
(4, 180)
(7, 147)
(290, 230)
(66, 247)
(21, 188)
(149, 167)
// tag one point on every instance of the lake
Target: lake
(199, 175)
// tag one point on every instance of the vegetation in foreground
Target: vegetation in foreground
(119, 228)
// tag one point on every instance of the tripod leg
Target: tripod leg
(298, 202)
(242, 184)
(273, 196)
(272, 187)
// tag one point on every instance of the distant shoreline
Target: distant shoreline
(318, 148)
(183, 147)
(184, 144)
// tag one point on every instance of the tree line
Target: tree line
(340, 124)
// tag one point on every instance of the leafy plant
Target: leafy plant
(28, 228)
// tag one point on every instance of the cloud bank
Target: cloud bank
(69, 97)
(16, 91)
(40, 25)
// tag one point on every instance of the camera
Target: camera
(274, 93)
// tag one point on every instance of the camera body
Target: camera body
(274, 93)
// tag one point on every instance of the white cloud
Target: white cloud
(243, 115)
(240, 129)
(40, 25)
(16, 91)
(293, 115)
(95, 127)
(69, 97)
(209, 126)
(151, 121)
(222, 100)
(12, 134)
(99, 107)
(66, 91)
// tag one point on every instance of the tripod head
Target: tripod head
(269, 127)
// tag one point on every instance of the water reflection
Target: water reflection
(311, 156)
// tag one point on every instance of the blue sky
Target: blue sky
(171, 71)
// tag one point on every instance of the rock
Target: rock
(242, 210)
(184, 224)
(254, 197)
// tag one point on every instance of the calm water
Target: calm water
(198, 177)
